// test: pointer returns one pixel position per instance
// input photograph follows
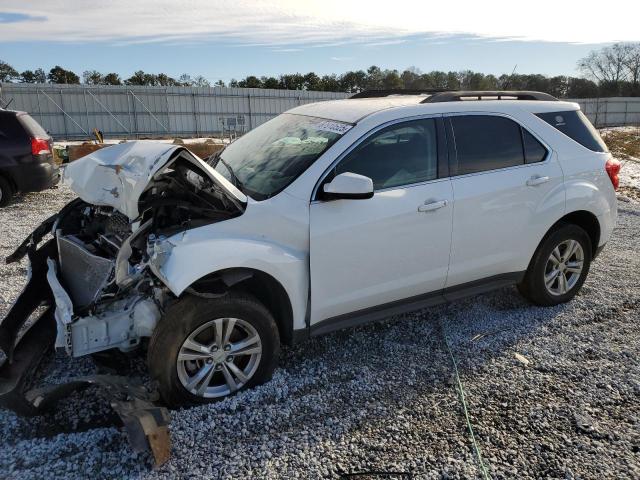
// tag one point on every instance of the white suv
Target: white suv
(327, 216)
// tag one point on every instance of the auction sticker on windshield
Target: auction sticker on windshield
(334, 127)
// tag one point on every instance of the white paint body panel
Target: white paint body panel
(499, 220)
(370, 252)
(271, 236)
(357, 254)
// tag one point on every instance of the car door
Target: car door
(393, 246)
(508, 188)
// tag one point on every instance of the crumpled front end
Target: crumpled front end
(90, 279)
(72, 285)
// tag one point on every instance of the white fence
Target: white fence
(73, 111)
(611, 112)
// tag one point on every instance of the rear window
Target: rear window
(32, 127)
(574, 124)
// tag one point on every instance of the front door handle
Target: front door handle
(537, 180)
(431, 206)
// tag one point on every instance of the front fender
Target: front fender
(185, 259)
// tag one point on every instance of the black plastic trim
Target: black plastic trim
(443, 153)
(418, 302)
(451, 96)
(598, 251)
(386, 93)
(345, 196)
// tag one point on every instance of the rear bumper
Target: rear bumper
(34, 177)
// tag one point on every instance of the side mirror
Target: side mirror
(348, 186)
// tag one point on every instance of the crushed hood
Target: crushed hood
(117, 176)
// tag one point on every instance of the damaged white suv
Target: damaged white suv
(327, 216)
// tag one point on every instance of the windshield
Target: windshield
(266, 160)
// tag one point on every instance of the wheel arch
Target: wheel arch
(583, 219)
(9, 178)
(261, 285)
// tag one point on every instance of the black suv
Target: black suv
(26, 159)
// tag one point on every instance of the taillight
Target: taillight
(40, 146)
(613, 169)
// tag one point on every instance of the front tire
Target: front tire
(6, 192)
(205, 349)
(559, 267)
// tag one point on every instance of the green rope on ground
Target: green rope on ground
(476, 447)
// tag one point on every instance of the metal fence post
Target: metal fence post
(166, 98)
(249, 108)
(39, 107)
(195, 115)
(86, 108)
(135, 115)
(66, 133)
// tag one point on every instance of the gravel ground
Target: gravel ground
(383, 397)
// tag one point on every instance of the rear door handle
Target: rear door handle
(430, 207)
(537, 180)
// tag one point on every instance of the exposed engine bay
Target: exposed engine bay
(114, 299)
(92, 264)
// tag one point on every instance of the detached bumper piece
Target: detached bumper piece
(145, 422)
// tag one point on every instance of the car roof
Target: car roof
(354, 110)
(351, 110)
(11, 112)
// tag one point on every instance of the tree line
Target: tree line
(611, 71)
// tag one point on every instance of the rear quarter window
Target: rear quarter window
(575, 125)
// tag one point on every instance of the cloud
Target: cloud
(10, 17)
(382, 43)
(310, 22)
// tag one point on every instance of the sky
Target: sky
(221, 39)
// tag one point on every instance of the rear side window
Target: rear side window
(10, 128)
(32, 126)
(575, 125)
(486, 142)
(401, 154)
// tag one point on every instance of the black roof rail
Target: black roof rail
(386, 93)
(456, 96)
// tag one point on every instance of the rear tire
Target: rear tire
(559, 267)
(206, 349)
(6, 192)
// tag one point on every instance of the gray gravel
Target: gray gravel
(382, 397)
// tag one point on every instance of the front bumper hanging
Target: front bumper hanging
(145, 422)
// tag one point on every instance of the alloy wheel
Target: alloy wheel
(219, 357)
(564, 267)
